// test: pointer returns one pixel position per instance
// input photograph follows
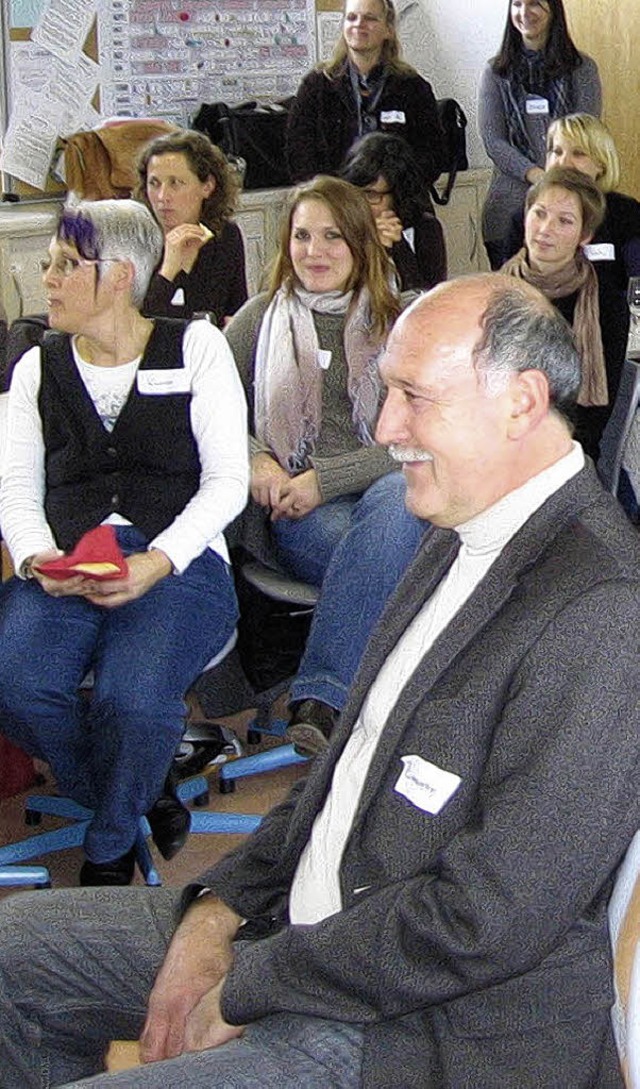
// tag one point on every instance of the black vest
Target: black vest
(147, 468)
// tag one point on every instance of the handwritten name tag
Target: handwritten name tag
(324, 358)
(159, 382)
(426, 785)
(538, 107)
(600, 251)
(392, 117)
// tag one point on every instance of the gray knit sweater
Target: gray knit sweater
(342, 464)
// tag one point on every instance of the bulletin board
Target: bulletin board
(70, 64)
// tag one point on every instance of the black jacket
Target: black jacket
(323, 122)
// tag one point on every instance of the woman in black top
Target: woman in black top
(187, 183)
(364, 87)
(562, 213)
(385, 168)
(583, 143)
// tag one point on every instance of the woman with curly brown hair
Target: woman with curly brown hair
(188, 185)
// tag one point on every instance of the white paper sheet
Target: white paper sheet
(63, 27)
(28, 147)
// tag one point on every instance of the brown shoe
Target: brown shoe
(310, 727)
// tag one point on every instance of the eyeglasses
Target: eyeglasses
(375, 196)
(66, 266)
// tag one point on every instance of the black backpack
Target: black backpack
(254, 132)
(453, 122)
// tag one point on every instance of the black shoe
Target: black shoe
(204, 745)
(170, 822)
(310, 727)
(117, 872)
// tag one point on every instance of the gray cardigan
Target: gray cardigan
(473, 945)
(508, 185)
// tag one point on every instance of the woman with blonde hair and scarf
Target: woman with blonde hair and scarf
(308, 352)
(563, 210)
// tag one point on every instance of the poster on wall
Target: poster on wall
(162, 58)
(49, 86)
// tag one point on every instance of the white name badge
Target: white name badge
(538, 107)
(392, 117)
(600, 251)
(178, 297)
(324, 358)
(426, 785)
(159, 382)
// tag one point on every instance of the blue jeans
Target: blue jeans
(357, 548)
(111, 752)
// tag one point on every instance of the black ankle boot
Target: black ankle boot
(117, 872)
(310, 727)
(169, 820)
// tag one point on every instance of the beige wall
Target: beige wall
(610, 33)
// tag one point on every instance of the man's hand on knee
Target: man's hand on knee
(206, 1026)
(197, 960)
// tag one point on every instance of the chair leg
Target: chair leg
(72, 834)
(25, 876)
(283, 756)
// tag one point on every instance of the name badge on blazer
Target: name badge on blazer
(392, 117)
(425, 784)
(537, 106)
(600, 251)
(160, 382)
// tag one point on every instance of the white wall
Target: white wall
(449, 42)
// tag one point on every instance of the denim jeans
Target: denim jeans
(358, 548)
(111, 752)
(76, 968)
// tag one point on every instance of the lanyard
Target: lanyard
(366, 105)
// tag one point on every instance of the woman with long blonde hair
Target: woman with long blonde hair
(364, 87)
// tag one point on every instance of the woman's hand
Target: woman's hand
(189, 983)
(144, 570)
(268, 478)
(70, 587)
(534, 174)
(181, 247)
(300, 496)
(389, 228)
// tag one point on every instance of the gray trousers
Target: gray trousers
(76, 968)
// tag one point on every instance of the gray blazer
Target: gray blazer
(473, 945)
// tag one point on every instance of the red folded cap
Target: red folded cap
(96, 555)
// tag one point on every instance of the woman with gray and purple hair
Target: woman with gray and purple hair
(141, 425)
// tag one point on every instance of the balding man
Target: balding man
(428, 909)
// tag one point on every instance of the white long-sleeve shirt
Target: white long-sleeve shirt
(218, 414)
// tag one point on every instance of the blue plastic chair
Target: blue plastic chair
(72, 834)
